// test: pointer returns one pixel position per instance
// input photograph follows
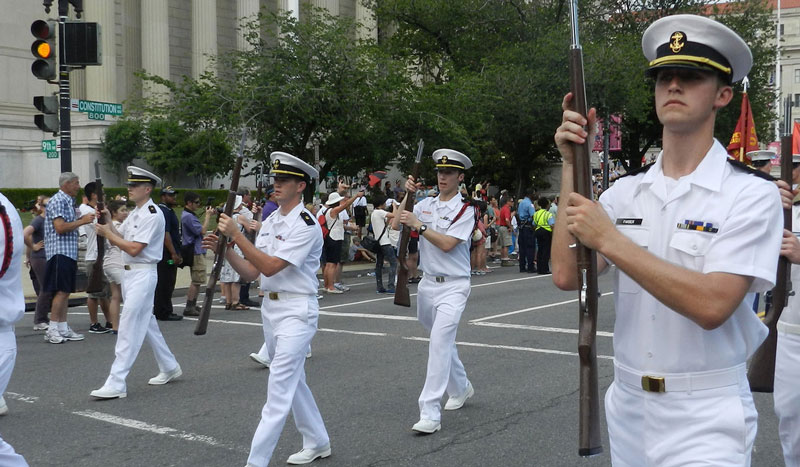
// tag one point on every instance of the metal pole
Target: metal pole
(778, 93)
(606, 148)
(64, 100)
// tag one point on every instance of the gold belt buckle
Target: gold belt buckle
(653, 384)
(127, 267)
(273, 295)
(439, 279)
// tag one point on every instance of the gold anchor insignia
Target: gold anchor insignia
(443, 160)
(276, 163)
(678, 41)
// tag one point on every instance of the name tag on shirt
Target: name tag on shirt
(629, 221)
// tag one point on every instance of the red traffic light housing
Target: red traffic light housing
(44, 49)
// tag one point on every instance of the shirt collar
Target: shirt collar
(290, 218)
(708, 173)
(454, 202)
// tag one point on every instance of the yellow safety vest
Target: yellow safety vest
(541, 218)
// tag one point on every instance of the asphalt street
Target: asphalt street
(517, 340)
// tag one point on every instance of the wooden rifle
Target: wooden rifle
(589, 442)
(761, 372)
(96, 284)
(402, 296)
(219, 256)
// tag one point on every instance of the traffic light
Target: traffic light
(47, 121)
(44, 49)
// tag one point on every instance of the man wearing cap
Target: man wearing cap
(334, 206)
(787, 355)
(192, 232)
(286, 258)
(761, 160)
(445, 224)
(141, 240)
(688, 251)
(167, 268)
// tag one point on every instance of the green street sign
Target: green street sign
(94, 107)
(48, 145)
(52, 154)
(96, 116)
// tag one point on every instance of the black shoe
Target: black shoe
(251, 303)
(96, 328)
(108, 325)
(173, 317)
(193, 311)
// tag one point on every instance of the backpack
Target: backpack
(323, 223)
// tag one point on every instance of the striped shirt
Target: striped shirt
(63, 206)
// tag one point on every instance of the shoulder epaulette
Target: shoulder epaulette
(640, 170)
(750, 170)
(307, 218)
(152, 209)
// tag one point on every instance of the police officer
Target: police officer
(760, 160)
(692, 237)
(445, 224)
(12, 307)
(527, 240)
(171, 258)
(787, 355)
(286, 257)
(141, 239)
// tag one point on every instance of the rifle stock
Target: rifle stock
(402, 296)
(761, 372)
(96, 284)
(589, 442)
(219, 256)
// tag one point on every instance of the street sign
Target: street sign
(52, 154)
(94, 107)
(48, 145)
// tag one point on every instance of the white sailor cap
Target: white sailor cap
(451, 159)
(283, 163)
(691, 41)
(761, 155)
(138, 175)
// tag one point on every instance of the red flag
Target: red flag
(744, 138)
(796, 138)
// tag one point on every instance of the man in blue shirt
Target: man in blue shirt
(170, 259)
(527, 241)
(192, 234)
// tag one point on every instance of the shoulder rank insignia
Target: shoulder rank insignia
(640, 170)
(750, 170)
(698, 225)
(152, 209)
(307, 218)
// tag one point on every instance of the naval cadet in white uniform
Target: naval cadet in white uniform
(787, 355)
(141, 239)
(692, 236)
(286, 257)
(445, 224)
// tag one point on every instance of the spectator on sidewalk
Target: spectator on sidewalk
(247, 214)
(332, 249)
(34, 240)
(167, 267)
(192, 232)
(270, 205)
(381, 229)
(87, 231)
(113, 266)
(504, 227)
(359, 253)
(344, 219)
(228, 277)
(61, 248)
(360, 214)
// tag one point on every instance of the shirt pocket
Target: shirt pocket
(641, 237)
(692, 246)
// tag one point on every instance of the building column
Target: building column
(331, 5)
(244, 9)
(155, 42)
(204, 35)
(368, 28)
(101, 81)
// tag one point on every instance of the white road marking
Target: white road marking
(538, 328)
(368, 315)
(159, 430)
(534, 308)
(510, 347)
(21, 397)
(359, 333)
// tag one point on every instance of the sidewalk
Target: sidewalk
(349, 270)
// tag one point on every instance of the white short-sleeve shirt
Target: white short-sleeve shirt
(297, 239)
(439, 216)
(145, 224)
(89, 232)
(740, 233)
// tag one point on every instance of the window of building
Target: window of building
(796, 100)
(797, 75)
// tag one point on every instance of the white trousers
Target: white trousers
(286, 387)
(267, 350)
(136, 324)
(8, 355)
(439, 308)
(787, 396)
(699, 428)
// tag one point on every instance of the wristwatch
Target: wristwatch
(422, 229)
